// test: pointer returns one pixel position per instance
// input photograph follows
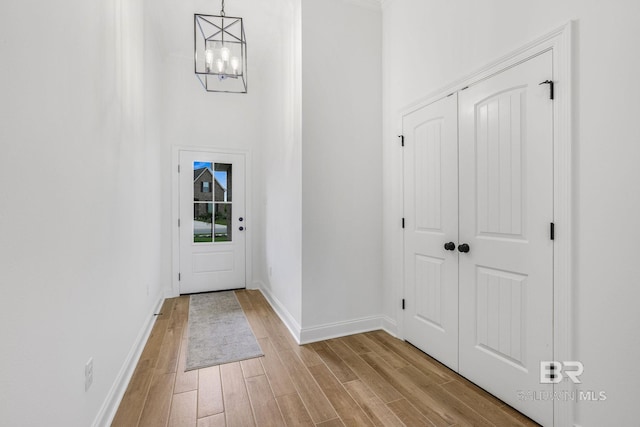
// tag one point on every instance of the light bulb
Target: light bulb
(220, 65)
(235, 64)
(225, 53)
(208, 59)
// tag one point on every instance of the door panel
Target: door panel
(428, 279)
(431, 220)
(500, 300)
(499, 164)
(212, 247)
(506, 200)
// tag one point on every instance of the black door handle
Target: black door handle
(450, 246)
(464, 248)
(241, 228)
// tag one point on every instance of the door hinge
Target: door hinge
(403, 303)
(401, 139)
(550, 83)
(178, 168)
(402, 222)
(179, 276)
(552, 231)
(178, 222)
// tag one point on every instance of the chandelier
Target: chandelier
(220, 52)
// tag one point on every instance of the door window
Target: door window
(212, 202)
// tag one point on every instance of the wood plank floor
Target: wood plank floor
(369, 379)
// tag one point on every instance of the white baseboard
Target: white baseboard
(114, 397)
(327, 331)
(340, 329)
(254, 285)
(282, 312)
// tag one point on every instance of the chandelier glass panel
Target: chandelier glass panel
(220, 56)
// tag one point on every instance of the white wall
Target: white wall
(281, 161)
(79, 209)
(341, 162)
(428, 44)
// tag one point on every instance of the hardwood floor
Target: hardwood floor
(369, 379)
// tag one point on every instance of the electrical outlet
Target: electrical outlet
(88, 374)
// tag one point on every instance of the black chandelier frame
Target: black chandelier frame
(226, 31)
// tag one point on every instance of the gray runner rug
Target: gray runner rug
(218, 331)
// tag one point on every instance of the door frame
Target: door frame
(560, 42)
(175, 211)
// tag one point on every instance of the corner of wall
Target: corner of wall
(390, 326)
(281, 311)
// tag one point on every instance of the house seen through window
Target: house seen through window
(212, 202)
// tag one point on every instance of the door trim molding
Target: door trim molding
(560, 43)
(175, 211)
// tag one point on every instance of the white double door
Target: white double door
(212, 223)
(478, 178)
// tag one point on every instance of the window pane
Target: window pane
(202, 182)
(222, 182)
(223, 222)
(202, 224)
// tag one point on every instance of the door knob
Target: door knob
(464, 248)
(450, 246)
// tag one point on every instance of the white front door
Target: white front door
(212, 222)
(431, 229)
(506, 210)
